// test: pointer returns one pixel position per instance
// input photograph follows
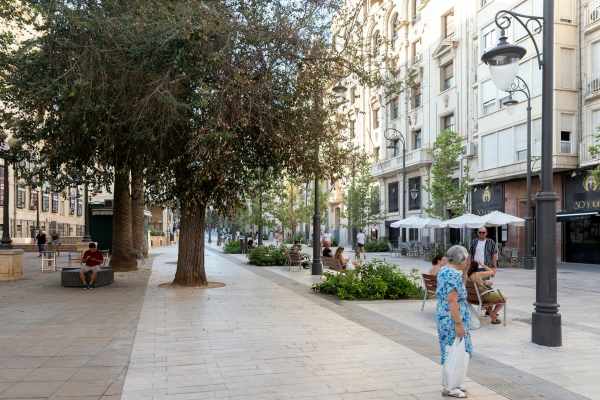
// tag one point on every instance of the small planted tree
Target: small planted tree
(362, 205)
(447, 193)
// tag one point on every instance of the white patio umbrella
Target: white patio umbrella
(497, 218)
(427, 223)
(405, 223)
(462, 221)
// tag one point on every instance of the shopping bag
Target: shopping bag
(475, 321)
(455, 364)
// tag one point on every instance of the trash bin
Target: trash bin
(244, 244)
(172, 237)
(33, 233)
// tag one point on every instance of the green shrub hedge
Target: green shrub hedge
(232, 247)
(376, 246)
(378, 280)
(267, 256)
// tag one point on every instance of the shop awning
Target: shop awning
(564, 217)
(102, 211)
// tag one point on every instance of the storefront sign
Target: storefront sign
(581, 194)
(487, 200)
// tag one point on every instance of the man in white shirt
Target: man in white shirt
(484, 249)
(360, 243)
(327, 237)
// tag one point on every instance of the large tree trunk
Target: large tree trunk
(123, 257)
(190, 264)
(137, 211)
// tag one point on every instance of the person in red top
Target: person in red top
(93, 259)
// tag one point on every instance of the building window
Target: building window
(393, 29)
(488, 97)
(376, 44)
(417, 51)
(79, 201)
(376, 154)
(72, 196)
(395, 108)
(393, 197)
(489, 37)
(55, 202)
(449, 24)
(449, 122)
(417, 139)
(448, 76)
(566, 133)
(415, 98)
(352, 129)
(396, 144)
(375, 202)
(413, 234)
(376, 119)
(21, 196)
(521, 142)
(414, 183)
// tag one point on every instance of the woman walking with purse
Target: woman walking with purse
(452, 313)
(56, 242)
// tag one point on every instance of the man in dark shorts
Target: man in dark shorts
(93, 260)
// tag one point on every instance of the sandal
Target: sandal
(463, 388)
(454, 393)
(496, 321)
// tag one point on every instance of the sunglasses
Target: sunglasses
(482, 233)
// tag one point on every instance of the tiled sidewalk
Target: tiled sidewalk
(265, 335)
(60, 342)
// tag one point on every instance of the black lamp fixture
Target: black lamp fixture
(510, 105)
(414, 192)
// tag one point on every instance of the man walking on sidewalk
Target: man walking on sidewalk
(360, 244)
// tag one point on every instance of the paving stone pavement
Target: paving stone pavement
(60, 342)
(265, 335)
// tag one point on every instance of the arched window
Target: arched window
(393, 31)
(376, 44)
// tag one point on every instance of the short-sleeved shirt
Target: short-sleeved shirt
(488, 251)
(97, 255)
(41, 239)
(360, 238)
(327, 252)
(327, 237)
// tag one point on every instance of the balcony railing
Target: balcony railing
(592, 13)
(593, 83)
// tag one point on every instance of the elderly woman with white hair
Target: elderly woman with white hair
(452, 312)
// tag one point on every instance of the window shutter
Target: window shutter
(449, 24)
(521, 137)
(567, 56)
(566, 122)
(449, 71)
(489, 148)
(506, 153)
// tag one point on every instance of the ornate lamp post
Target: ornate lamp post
(503, 61)
(317, 266)
(392, 135)
(8, 156)
(510, 105)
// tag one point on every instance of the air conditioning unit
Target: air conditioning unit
(469, 149)
(109, 203)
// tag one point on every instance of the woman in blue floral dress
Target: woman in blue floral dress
(453, 319)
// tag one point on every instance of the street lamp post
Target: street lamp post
(86, 220)
(392, 136)
(510, 105)
(503, 61)
(6, 241)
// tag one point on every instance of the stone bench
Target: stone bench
(69, 277)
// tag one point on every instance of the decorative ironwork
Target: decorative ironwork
(503, 21)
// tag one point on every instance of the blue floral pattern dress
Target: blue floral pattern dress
(449, 279)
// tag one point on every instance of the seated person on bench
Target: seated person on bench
(327, 250)
(93, 260)
(295, 247)
(344, 262)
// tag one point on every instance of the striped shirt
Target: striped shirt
(488, 251)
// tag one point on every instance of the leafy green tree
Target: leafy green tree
(446, 193)
(362, 204)
(199, 93)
